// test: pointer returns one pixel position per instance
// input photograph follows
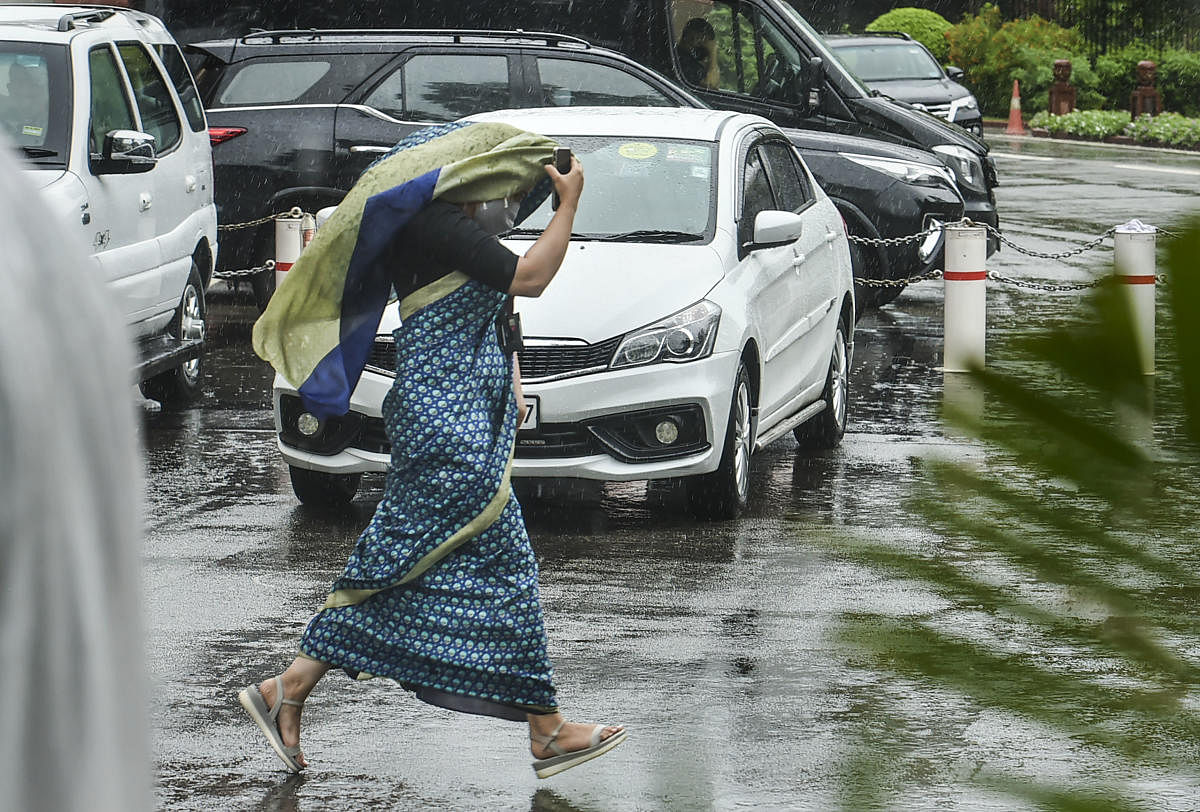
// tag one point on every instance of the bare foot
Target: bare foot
(288, 720)
(573, 736)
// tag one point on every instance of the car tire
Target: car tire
(262, 285)
(322, 490)
(864, 265)
(723, 494)
(181, 385)
(827, 428)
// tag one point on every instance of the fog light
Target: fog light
(666, 432)
(307, 424)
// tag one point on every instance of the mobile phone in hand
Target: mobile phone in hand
(562, 163)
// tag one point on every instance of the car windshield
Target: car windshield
(640, 190)
(31, 74)
(885, 63)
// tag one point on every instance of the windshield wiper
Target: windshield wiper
(651, 235)
(521, 232)
(39, 152)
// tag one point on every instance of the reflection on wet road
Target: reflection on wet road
(709, 640)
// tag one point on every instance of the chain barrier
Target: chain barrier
(992, 275)
(294, 211)
(245, 273)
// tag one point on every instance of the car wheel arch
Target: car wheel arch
(202, 255)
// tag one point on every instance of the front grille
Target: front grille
(383, 354)
(539, 362)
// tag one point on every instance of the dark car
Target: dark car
(296, 116)
(903, 69)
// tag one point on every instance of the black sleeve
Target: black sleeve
(442, 236)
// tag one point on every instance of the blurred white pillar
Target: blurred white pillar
(1133, 250)
(289, 241)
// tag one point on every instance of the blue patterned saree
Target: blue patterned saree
(441, 591)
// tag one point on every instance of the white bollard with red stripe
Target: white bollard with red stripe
(1133, 252)
(965, 305)
(289, 241)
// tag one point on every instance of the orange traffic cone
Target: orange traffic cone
(1015, 125)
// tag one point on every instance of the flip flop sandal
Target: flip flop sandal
(252, 700)
(564, 759)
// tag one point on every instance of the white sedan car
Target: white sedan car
(705, 309)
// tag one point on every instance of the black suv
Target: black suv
(296, 116)
(903, 69)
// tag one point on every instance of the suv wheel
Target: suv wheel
(182, 384)
(723, 494)
(262, 285)
(827, 428)
(321, 490)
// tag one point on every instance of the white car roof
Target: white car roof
(39, 22)
(644, 122)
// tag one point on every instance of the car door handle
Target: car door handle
(368, 148)
(189, 184)
(145, 201)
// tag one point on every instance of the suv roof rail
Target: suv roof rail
(901, 34)
(455, 33)
(95, 15)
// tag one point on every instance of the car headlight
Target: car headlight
(968, 102)
(685, 336)
(912, 172)
(966, 166)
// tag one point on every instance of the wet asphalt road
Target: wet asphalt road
(709, 641)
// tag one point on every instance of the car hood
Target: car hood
(811, 141)
(921, 91)
(41, 178)
(606, 289)
(923, 128)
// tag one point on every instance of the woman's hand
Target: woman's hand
(539, 264)
(569, 186)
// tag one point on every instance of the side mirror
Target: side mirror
(775, 228)
(956, 74)
(126, 152)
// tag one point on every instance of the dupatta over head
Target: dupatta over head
(318, 329)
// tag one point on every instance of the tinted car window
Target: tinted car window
(273, 81)
(567, 83)
(110, 106)
(31, 74)
(443, 87)
(791, 187)
(181, 78)
(756, 191)
(153, 99)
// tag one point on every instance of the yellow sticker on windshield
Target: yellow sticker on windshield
(638, 150)
(29, 129)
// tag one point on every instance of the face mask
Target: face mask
(497, 216)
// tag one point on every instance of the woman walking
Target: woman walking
(440, 593)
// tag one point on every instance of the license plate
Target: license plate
(531, 414)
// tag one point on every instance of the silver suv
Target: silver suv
(103, 107)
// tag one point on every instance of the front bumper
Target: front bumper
(587, 426)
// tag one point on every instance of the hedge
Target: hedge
(926, 27)
(1168, 129)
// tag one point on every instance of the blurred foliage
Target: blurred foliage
(926, 27)
(993, 53)
(1066, 599)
